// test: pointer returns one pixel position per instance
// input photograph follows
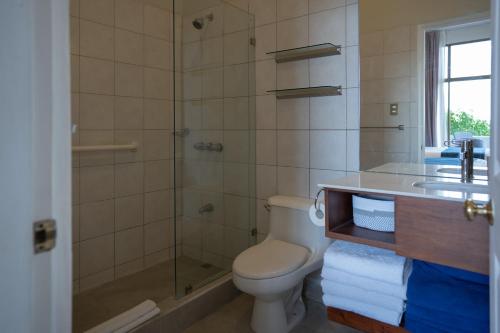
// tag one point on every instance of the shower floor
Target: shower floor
(95, 306)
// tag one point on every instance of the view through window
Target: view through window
(467, 89)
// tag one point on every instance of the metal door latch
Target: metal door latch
(44, 235)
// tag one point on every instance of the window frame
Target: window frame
(448, 80)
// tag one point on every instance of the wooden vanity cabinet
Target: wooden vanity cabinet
(437, 231)
(431, 230)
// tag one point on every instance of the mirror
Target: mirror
(425, 85)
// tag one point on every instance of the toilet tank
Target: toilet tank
(289, 221)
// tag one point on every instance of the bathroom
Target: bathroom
(194, 165)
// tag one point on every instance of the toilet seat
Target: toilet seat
(270, 259)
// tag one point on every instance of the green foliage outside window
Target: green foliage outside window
(462, 121)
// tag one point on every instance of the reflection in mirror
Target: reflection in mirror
(425, 85)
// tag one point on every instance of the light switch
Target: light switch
(394, 109)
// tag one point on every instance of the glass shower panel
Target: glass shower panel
(215, 139)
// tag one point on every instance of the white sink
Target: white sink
(457, 171)
(455, 187)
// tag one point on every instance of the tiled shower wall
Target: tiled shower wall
(218, 106)
(121, 93)
(302, 142)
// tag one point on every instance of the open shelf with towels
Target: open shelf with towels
(307, 92)
(306, 52)
(340, 223)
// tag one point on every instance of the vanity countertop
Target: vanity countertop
(431, 170)
(399, 184)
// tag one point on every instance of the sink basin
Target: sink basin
(455, 187)
(456, 171)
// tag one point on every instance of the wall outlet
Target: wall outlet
(394, 109)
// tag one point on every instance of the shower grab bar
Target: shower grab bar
(131, 147)
(399, 127)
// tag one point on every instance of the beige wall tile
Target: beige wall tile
(156, 206)
(75, 35)
(96, 183)
(335, 157)
(129, 179)
(74, 8)
(101, 11)
(96, 255)
(129, 211)
(129, 14)
(129, 80)
(97, 219)
(156, 236)
(292, 33)
(287, 9)
(157, 83)
(96, 40)
(157, 114)
(266, 181)
(293, 148)
(328, 27)
(97, 76)
(129, 47)
(156, 175)
(293, 113)
(236, 178)
(293, 181)
(156, 144)
(75, 73)
(320, 5)
(156, 22)
(157, 53)
(128, 113)
(264, 10)
(96, 112)
(129, 245)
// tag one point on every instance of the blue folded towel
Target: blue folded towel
(417, 326)
(451, 299)
(454, 152)
(446, 321)
(442, 161)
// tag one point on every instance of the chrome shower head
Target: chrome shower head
(199, 22)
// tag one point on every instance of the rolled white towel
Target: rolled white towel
(129, 319)
(365, 309)
(363, 295)
(363, 260)
(334, 275)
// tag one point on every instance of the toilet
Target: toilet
(273, 271)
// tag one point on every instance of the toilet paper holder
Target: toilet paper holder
(319, 213)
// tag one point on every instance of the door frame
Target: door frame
(35, 177)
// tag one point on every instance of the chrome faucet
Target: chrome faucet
(467, 161)
(206, 208)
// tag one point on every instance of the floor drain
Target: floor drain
(206, 265)
(188, 289)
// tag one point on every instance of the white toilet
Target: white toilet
(273, 271)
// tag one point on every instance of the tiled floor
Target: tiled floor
(234, 317)
(95, 306)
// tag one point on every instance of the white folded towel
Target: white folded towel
(334, 275)
(337, 289)
(365, 309)
(371, 262)
(129, 319)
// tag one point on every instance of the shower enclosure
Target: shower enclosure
(163, 115)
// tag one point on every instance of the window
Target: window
(467, 88)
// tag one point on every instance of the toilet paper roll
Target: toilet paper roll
(317, 216)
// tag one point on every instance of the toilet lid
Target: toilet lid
(270, 259)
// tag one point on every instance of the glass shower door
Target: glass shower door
(214, 141)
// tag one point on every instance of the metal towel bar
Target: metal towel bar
(131, 147)
(399, 127)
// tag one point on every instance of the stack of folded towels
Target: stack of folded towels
(368, 281)
(444, 299)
